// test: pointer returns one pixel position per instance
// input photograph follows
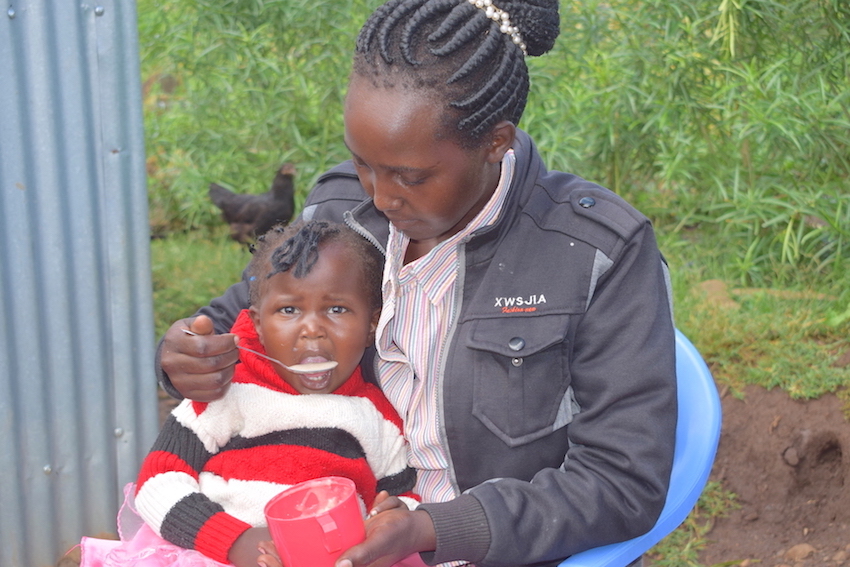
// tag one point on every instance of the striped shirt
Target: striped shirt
(418, 314)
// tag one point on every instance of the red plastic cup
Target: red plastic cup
(313, 522)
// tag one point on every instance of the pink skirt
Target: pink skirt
(139, 546)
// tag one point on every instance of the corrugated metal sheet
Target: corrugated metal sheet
(77, 391)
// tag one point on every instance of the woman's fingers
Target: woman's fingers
(199, 366)
(390, 537)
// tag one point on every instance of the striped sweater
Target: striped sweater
(215, 465)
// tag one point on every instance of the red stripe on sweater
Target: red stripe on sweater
(218, 535)
(291, 464)
(158, 462)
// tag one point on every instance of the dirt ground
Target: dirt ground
(787, 461)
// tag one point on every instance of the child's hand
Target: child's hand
(246, 549)
(384, 502)
(268, 555)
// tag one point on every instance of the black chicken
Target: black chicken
(252, 215)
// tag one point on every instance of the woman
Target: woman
(526, 337)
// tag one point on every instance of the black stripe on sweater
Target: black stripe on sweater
(186, 518)
(398, 483)
(179, 440)
(329, 439)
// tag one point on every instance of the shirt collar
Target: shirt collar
(435, 271)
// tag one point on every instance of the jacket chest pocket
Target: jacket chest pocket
(521, 376)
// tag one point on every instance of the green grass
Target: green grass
(773, 336)
(727, 123)
(772, 340)
(681, 547)
(235, 88)
(190, 269)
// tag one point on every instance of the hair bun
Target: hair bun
(538, 22)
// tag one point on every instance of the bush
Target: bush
(733, 121)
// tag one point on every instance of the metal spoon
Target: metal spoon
(306, 368)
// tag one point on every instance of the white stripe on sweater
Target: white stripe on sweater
(251, 411)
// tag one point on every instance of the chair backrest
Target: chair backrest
(697, 435)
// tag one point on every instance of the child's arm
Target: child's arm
(168, 496)
(399, 478)
(389, 458)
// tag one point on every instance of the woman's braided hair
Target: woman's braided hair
(451, 51)
(296, 248)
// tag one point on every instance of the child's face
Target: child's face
(323, 316)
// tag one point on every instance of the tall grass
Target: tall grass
(735, 118)
(234, 88)
(190, 269)
(732, 118)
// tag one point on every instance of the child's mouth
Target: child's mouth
(316, 381)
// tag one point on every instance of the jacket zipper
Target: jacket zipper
(348, 218)
(447, 344)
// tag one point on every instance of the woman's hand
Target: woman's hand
(200, 367)
(391, 535)
(384, 502)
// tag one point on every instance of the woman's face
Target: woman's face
(429, 188)
(326, 315)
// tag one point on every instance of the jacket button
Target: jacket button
(587, 202)
(516, 361)
(516, 343)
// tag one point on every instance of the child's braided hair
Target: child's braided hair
(296, 248)
(453, 51)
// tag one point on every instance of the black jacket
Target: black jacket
(559, 393)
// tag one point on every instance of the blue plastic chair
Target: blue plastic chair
(697, 435)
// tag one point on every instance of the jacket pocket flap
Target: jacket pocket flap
(520, 337)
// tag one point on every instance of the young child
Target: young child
(315, 297)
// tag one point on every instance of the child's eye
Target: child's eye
(337, 309)
(288, 310)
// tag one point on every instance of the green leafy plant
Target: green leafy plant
(736, 118)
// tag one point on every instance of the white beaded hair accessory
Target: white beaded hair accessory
(502, 18)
